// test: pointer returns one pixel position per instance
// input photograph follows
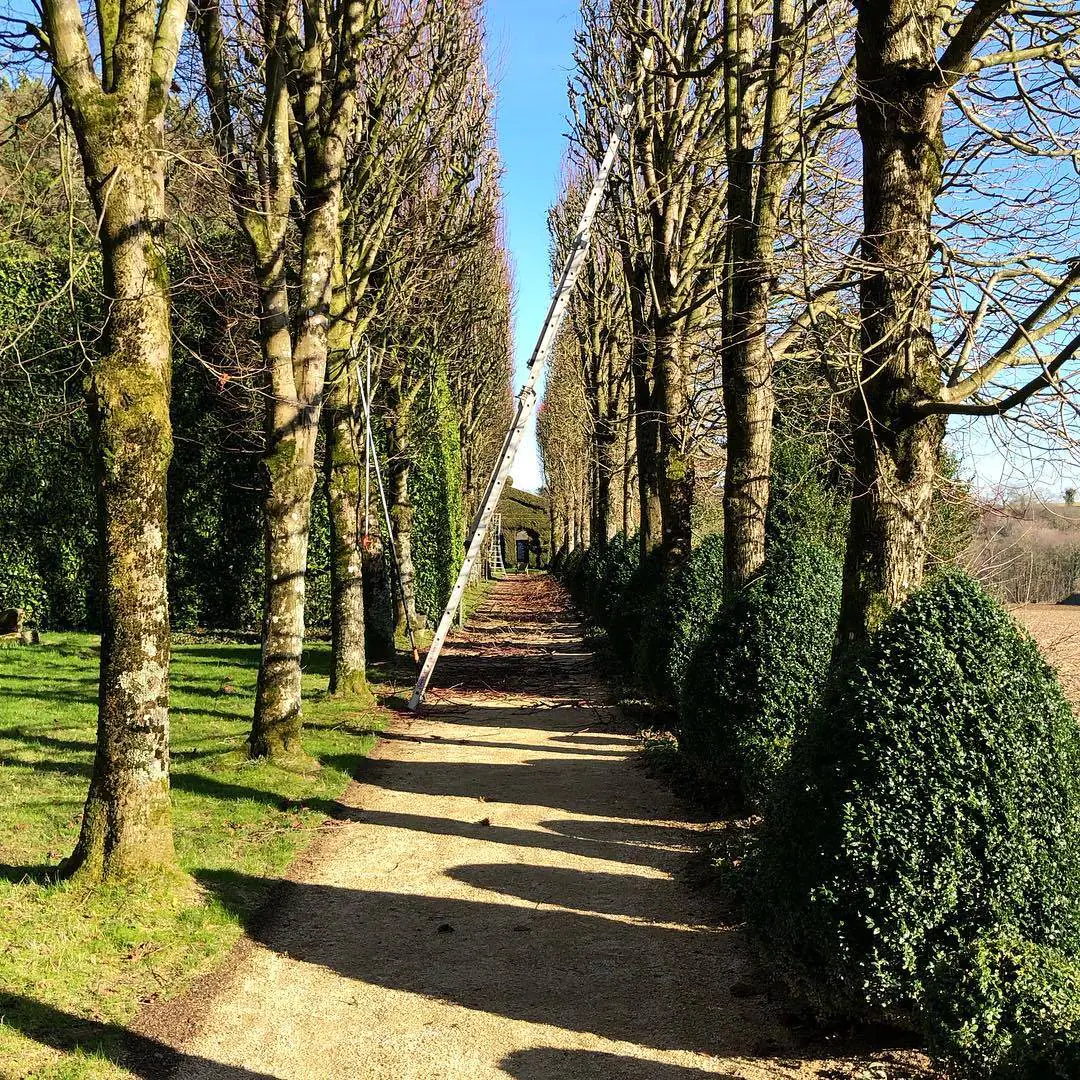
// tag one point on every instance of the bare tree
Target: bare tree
(669, 207)
(599, 321)
(782, 92)
(945, 96)
(480, 367)
(282, 86)
(441, 219)
(564, 430)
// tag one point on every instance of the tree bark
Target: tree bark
(117, 115)
(126, 826)
(899, 108)
(290, 467)
(647, 435)
(348, 670)
(401, 517)
(604, 502)
(676, 466)
(753, 228)
(749, 403)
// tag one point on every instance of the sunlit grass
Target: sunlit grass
(75, 961)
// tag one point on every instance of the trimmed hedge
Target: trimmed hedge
(436, 483)
(676, 615)
(757, 673)
(809, 501)
(934, 801)
(1006, 1009)
(599, 577)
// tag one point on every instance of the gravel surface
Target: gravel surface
(506, 895)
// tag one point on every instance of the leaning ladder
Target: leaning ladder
(526, 402)
(496, 556)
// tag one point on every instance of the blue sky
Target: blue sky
(530, 45)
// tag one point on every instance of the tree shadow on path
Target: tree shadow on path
(668, 988)
(546, 1063)
(608, 849)
(141, 1055)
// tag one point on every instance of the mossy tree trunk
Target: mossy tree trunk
(290, 481)
(901, 97)
(676, 468)
(290, 468)
(399, 469)
(304, 85)
(117, 114)
(126, 825)
(344, 465)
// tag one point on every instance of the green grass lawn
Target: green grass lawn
(77, 963)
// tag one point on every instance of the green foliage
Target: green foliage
(630, 593)
(570, 567)
(808, 499)
(238, 824)
(522, 510)
(759, 670)
(21, 586)
(1006, 1009)
(215, 508)
(677, 616)
(317, 584)
(599, 577)
(934, 801)
(954, 514)
(438, 530)
(48, 562)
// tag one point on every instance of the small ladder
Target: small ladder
(498, 567)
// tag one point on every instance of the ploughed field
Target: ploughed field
(1056, 627)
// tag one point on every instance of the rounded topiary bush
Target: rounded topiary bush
(598, 576)
(1006, 1009)
(676, 616)
(809, 499)
(934, 800)
(569, 570)
(635, 585)
(588, 580)
(757, 673)
(617, 563)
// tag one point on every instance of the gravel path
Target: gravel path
(505, 897)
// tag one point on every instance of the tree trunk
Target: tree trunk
(899, 110)
(748, 406)
(646, 428)
(401, 516)
(126, 827)
(629, 458)
(348, 670)
(378, 600)
(298, 376)
(290, 467)
(604, 504)
(753, 227)
(290, 461)
(676, 466)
